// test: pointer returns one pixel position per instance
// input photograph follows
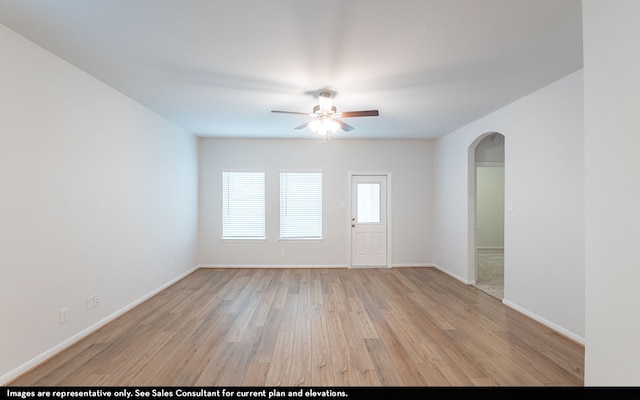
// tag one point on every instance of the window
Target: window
(368, 195)
(243, 205)
(301, 205)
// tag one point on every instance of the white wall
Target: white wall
(612, 153)
(408, 161)
(98, 195)
(544, 178)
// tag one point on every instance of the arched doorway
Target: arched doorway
(486, 209)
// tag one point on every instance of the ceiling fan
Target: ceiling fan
(325, 117)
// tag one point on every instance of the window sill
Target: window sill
(301, 240)
(232, 240)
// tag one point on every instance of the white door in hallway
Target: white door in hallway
(369, 221)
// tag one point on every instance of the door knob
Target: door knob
(353, 225)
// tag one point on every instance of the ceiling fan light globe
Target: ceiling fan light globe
(332, 125)
(315, 125)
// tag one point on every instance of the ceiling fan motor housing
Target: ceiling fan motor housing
(318, 111)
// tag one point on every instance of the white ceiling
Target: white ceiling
(217, 68)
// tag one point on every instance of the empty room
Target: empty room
(336, 193)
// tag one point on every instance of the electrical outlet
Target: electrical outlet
(97, 299)
(91, 302)
(283, 253)
(63, 315)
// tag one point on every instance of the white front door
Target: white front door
(369, 221)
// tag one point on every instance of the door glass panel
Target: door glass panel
(368, 195)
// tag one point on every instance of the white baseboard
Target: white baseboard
(451, 274)
(424, 265)
(6, 378)
(545, 322)
(267, 266)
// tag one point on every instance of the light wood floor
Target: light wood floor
(318, 327)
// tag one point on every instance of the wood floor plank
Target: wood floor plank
(280, 364)
(269, 335)
(468, 366)
(264, 306)
(256, 374)
(453, 371)
(400, 359)
(175, 365)
(319, 332)
(341, 367)
(300, 366)
(359, 358)
(290, 312)
(216, 364)
(364, 323)
(142, 362)
(506, 371)
(241, 320)
(72, 361)
(317, 327)
(320, 371)
(208, 343)
(381, 359)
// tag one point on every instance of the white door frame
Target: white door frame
(350, 214)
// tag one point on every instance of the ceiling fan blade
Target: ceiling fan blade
(289, 112)
(366, 113)
(302, 126)
(345, 127)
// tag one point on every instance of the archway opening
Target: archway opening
(486, 209)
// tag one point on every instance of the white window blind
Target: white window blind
(301, 205)
(243, 205)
